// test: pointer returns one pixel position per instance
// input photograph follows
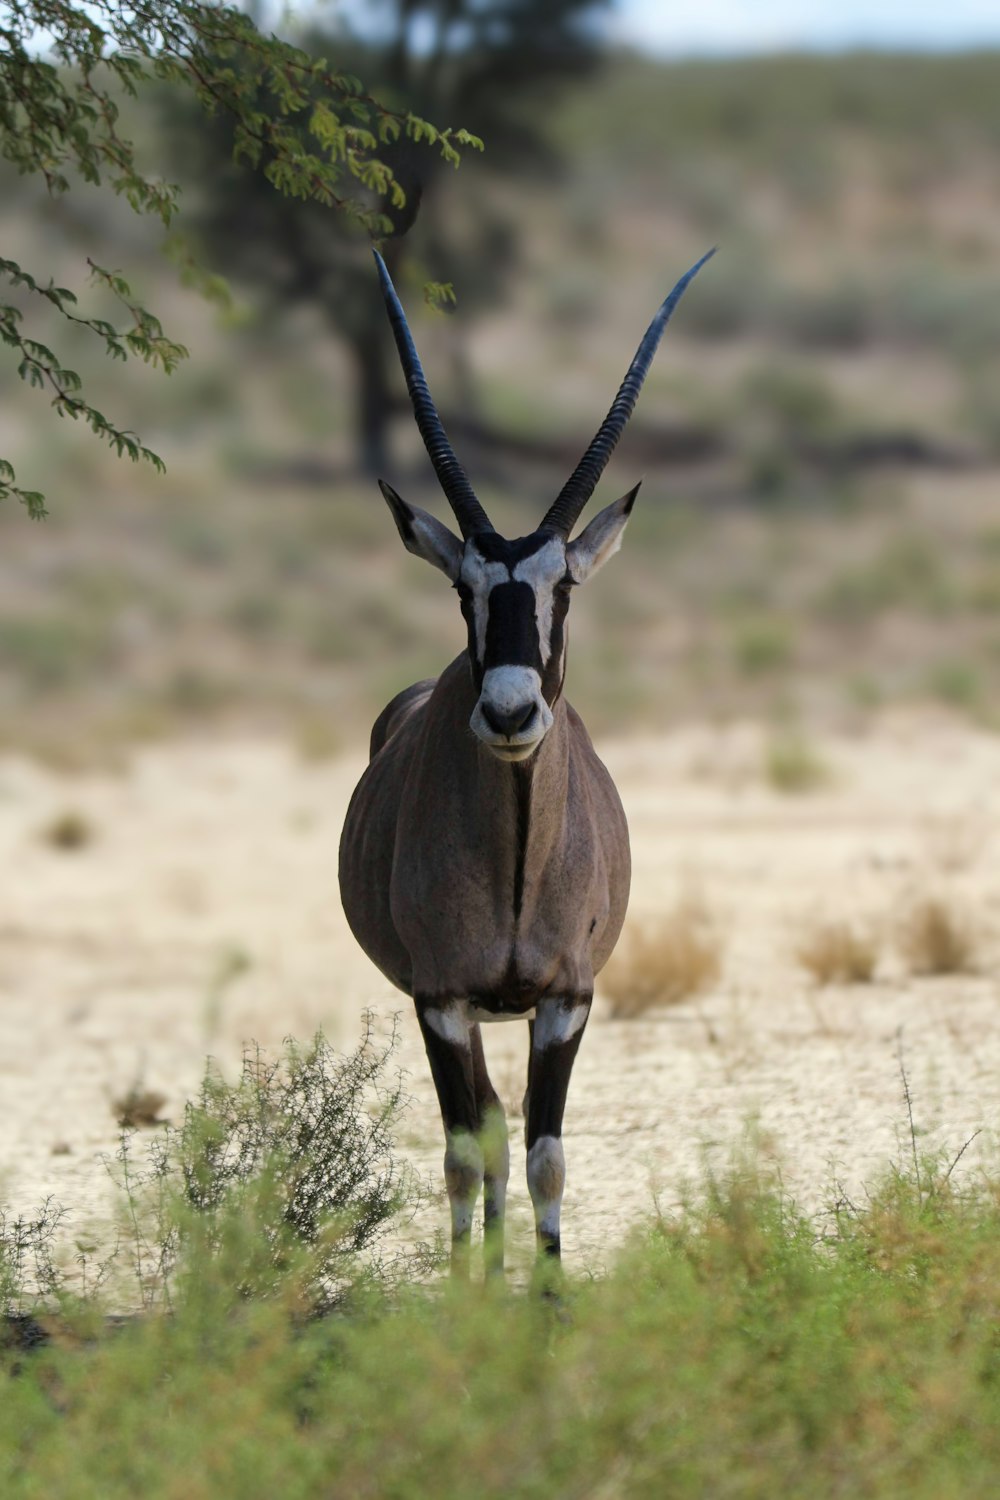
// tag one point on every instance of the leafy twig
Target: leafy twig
(313, 131)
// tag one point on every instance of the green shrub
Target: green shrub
(763, 646)
(792, 764)
(956, 683)
(287, 1177)
(28, 1267)
(738, 1347)
(48, 652)
(907, 573)
(282, 1185)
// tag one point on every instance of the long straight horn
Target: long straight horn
(565, 510)
(461, 497)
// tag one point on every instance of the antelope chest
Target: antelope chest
(504, 917)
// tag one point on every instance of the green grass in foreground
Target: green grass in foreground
(735, 1351)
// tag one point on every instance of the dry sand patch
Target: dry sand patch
(202, 911)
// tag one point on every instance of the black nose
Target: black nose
(509, 724)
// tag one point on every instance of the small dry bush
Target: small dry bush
(280, 1187)
(29, 1271)
(69, 830)
(792, 764)
(937, 936)
(140, 1106)
(284, 1182)
(664, 963)
(839, 952)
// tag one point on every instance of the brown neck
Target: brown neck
(529, 797)
(540, 785)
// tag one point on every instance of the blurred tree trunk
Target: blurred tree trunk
(373, 360)
(493, 64)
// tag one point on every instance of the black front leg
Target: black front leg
(475, 1131)
(555, 1041)
(447, 1037)
(496, 1157)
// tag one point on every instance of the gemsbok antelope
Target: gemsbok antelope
(484, 863)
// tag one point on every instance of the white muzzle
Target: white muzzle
(511, 717)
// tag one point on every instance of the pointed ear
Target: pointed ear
(601, 539)
(424, 535)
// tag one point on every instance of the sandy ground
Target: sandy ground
(111, 957)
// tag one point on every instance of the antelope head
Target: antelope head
(515, 594)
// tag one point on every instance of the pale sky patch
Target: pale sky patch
(723, 26)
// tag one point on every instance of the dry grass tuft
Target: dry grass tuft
(140, 1106)
(665, 963)
(839, 952)
(937, 936)
(69, 830)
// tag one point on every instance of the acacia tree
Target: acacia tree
(495, 65)
(67, 67)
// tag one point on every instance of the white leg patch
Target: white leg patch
(546, 1180)
(449, 1022)
(557, 1022)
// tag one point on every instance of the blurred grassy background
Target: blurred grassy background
(818, 536)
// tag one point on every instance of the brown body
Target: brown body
(464, 877)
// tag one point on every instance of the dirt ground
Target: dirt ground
(201, 910)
